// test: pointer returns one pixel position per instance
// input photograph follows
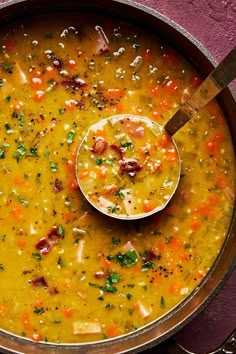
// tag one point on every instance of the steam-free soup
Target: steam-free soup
(67, 272)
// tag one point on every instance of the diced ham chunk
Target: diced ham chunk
(143, 310)
(102, 42)
(82, 327)
(99, 146)
(80, 251)
(133, 128)
(130, 166)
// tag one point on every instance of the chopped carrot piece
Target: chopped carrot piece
(39, 95)
(211, 147)
(36, 83)
(66, 284)
(171, 155)
(155, 115)
(119, 107)
(70, 104)
(137, 268)
(68, 312)
(67, 216)
(185, 256)
(21, 241)
(175, 244)
(195, 225)
(25, 320)
(18, 107)
(145, 149)
(200, 273)
(83, 174)
(165, 105)
(113, 93)
(18, 213)
(70, 166)
(102, 171)
(3, 310)
(171, 87)
(51, 72)
(106, 264)
(72, 64)
(148, 205)
(157, 279)
(36, 337)
(112, 331)
(222, 181)
(100, 133)
(38, 303)
(174, 288)
(160, 247)
(73, 184)
(154, 89)
(18, 180)
(164, 140)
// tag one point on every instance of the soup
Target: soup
(69, 273)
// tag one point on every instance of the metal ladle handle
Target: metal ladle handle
(219, 78)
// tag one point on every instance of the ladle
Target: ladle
(132, 182)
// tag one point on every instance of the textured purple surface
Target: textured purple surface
(213, 23)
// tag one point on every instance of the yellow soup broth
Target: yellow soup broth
(69, 273)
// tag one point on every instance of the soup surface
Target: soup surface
(69, 273)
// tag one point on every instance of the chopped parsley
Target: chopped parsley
(9, 130)
(2, 267)
(61, 231)
(61, 110)
(126, 144)
(56, 320)
(7, 67)
(110, 279)
(147, 265)
(108, 57)
(125, 259)
(33, 152)
(23, 201)
(38, 178)
(120, 194)
(53, 166)
(2, 238)
(7, 99)
(70, 137)
(162, 302)
(113, 208)
(37, 256)
(98, 161)
(115, 241)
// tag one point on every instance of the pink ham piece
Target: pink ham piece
(84, 327)
(102, 42)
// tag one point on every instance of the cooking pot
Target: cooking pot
(173, 321)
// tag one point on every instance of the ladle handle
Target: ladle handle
(219, 78)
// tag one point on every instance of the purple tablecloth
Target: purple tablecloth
(213, 23)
